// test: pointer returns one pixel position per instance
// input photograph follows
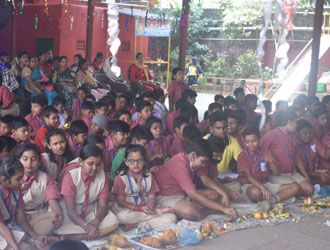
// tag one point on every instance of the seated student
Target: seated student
(158, 148)
(190, 96)
(96, 140)
(267, 125)
(20, 130)
(10, 146)
(38, 103)
(98, 125)
(176, 87)
(50, 121)
(219, 99)
(11, 179)
(310, 151)
(282, 145)
(68, 245)
(301, 101)
(219, 128)
(57, 153)
(114, 142)
(144, 112)
(138, 135)
(135, 189)
(86, 114)
(122, 102)
(207, 177)
(100, 108)
(213, 107)
(189, 133)
(90, 98)
(326, 102)
(77, 137)
(175, 181)
(76, 106)
(239, 97)
(190, 113)
(39, 192)
(124, 115)
(86, 191)
(179, 124)
(230, 103)
(3, 148)
(310, 102)
(268, 106)
(319, 123)
(159, 107)
(250, 104)
(111, 105)
(59, 104)
(280, 106)
(234, 122)
(5, 122)
(174, 114)
(254, 167)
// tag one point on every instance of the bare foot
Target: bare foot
(166, 210)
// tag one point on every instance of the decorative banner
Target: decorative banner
(113, 31)
(35, 21)
(71, 22)
(102, 20)
(153, 27)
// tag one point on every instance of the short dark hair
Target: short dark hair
(188, 111)
(83, 88)
(142, 105)
(48, 111)
(285, 116)
(122, 112)
(250, 98)
(7, 119)
(218, 97)
(40, 99)
(201, 147)
(217, 144)
(126, 97)
(158, 93)
(236, 116)
(10, 142)
(181, 103)
(302, 123)
(147, 94)
(99, 105)
(191, 132)
(67, 245)
(153, 120)
(109, 101)
(229, 100)
(318, 112)
(78, 127)
(238, 90)
(250, 130)
(188, 93)
(94, 139)
(217, 117)
(118, 126)
(90, 96)
(140, 133)
(267, 104)
(19, 122)
(59, 100)
(9, 165)
(175, 71)
(179, 121)
(280, 102)
(326, 99)
(87, 105)
(213, 106)
(312, 99)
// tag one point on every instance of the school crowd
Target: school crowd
(79, 173)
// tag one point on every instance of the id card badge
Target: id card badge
(313, 147)
(263, 166)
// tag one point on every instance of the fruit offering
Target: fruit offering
(308, 201)
(168, 239)
(278, 213)
(119, 240)
(207, 228)
(311, 209)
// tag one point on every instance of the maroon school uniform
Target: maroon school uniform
(210, 170)
(175, 176)
(158, 147)
(178, 145)
(282, 146)
(308, 153)
(240, 139)
(175, 90)
(250, 116)
(317, 131)
(253, 163)
(76, 149)
(137, 122)
(76, 108)
(169, 120)
(88, 121)
(324, 164)
(34, 123)
(110, 153)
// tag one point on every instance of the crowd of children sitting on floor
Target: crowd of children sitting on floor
(131, 161)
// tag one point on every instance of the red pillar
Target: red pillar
(183, 33)
(89, 33)
(318, 18)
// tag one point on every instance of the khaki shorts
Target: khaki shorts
(273, 188)
(170, 201)
(286, 178)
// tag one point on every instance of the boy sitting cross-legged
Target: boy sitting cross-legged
(254, 166)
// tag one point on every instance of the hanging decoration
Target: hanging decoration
(67, 6)
(132, 13)
(102, 21)
(35, 21)
(146, 19)
(261, 54)
(113, 31)
(71, 22)
(46, 7)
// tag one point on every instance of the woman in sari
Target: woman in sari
(85, 78)
(32, 79)
(140, 76)
(65, 82)
(22, 60)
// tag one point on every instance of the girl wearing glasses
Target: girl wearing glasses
(135, 190)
